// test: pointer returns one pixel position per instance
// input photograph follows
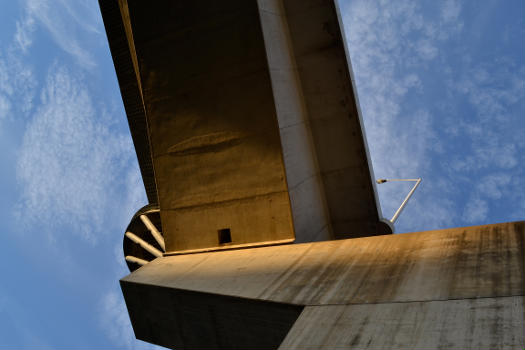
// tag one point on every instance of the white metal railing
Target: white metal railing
(402, 206)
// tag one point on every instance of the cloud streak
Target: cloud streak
(77, 175)
(17, 86)
(116, 322)
(429, 113)
(389, 43)
(69, 161)
(78, 179)
(71, 25)
(24, 32)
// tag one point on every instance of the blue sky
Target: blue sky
(442, 91)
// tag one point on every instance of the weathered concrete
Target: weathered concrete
(308, 201)
(334, 118)
(181, 319)
(248, 133)
(251, 119)
(213, 131)
(478, 261)
(407, 277)
(118, 29)
(481, 323)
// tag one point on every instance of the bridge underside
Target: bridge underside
(245, 120)
(248, 133)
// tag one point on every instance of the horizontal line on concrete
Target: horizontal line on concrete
(288, 126)
(418, 301)
(218, 203)
(230, 247)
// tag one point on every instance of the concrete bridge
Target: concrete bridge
(264, 228)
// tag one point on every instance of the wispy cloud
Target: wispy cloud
(76, 168)
(78, 178)
(18, 318)
(398, 51)
(116, 321)
(5, 106)
(17, 86)
(492, 162)
(17, 81)
(494, 185)
(450, 10)
(70, 24)
(476, 210)
(114, 317)
(117, 324)
(69, 161)
(388, 42)
(24, 33)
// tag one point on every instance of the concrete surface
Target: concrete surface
(180, 319)
(478, 261)
(213, 131)
(477, 324)
(118, 30)
(308, 201)
(381, 285)
(332, 107)
(244, 118)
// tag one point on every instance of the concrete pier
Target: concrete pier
(245, 120)
(454, 288)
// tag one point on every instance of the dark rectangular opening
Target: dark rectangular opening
(225, 236)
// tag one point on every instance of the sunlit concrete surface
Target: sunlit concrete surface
(395, 280)
(244, 118)
(248, 133)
